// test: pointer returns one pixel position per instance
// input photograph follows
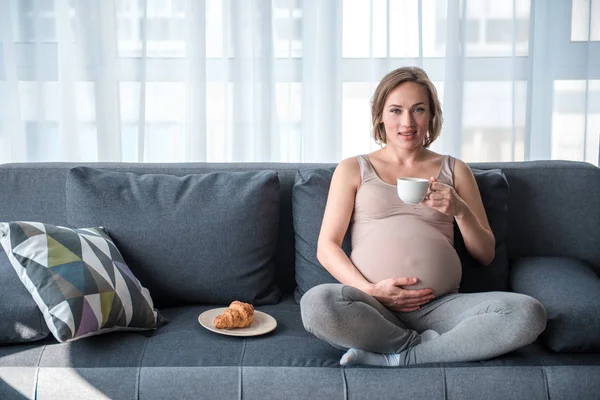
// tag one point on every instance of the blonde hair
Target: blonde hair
(390, 82)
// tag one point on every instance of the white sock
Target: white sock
(428, 335)
(356, 356)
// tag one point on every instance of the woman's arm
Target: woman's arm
(336, 219)
(472, 221)
(463, 202)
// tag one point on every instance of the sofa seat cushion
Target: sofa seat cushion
(78, 279)
(570, 291)
(194, 239)
(183, 342)
(21, 320)
(183, 359)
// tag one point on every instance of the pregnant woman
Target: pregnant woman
(397, 302)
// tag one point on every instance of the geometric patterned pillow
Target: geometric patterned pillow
(78, 279)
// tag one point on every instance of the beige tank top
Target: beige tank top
(392, 239)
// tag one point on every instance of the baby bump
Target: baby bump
(432, 260)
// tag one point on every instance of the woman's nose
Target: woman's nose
(406, 119)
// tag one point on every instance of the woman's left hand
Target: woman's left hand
(444, 198)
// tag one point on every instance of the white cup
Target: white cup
(412, 190)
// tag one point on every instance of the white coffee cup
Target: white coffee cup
(412, 190)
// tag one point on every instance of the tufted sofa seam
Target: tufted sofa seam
(37, 373)
(241, 371)
(546, 386)
(543, 367)
(444, 383)
(139, 369)
(344, 383)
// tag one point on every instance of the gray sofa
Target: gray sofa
(550, 228)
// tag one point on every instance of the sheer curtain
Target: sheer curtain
(291, 80)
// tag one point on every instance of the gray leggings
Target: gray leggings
(473, 327)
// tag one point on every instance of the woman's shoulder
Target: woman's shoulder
(463, 176)
(348, 166)
(349, 170)
(349, 163)
(460, 166)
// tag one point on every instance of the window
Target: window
(207, 69)
(585, 20)
(287, 17)
(164, 28)
(163, 119)
(494, 121)
(576, 120)
(356, 119)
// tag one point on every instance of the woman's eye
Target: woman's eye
(419, 110)
(395, 111)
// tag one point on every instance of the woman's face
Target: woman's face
(406, 115)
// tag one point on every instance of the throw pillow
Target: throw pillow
(494, 190)
(309, 196)
(21, 319)
(195, 239)
(78, 279)
(568, 289)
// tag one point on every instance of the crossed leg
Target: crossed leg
(472, 327)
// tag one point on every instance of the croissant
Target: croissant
(237, 315)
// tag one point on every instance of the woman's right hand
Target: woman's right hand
(392, 294)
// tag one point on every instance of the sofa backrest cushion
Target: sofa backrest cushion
(494, 191)
(189, 239)
(309, 196)
(552, 210)
(21, 320)
(36, 192)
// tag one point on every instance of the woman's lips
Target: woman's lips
(407, 134)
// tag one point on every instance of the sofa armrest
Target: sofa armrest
(570, 291)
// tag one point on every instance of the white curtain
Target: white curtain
(291, 80)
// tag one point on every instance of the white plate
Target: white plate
(263, 323)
